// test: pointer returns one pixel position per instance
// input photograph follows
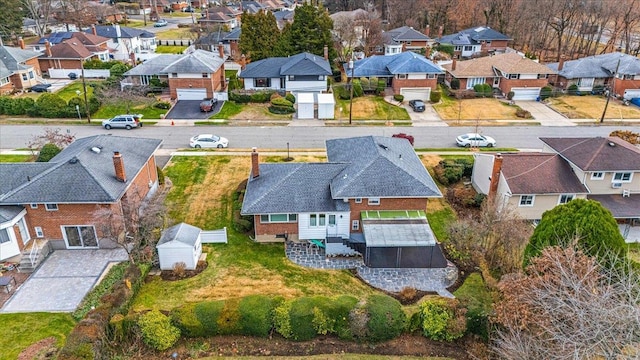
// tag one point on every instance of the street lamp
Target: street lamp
(613, 89)
(352, 68)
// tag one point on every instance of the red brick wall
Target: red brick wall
(622, 85)
(386, 204)
(507, 84)
(406, 83)
(46, 64)
(6, 88)
(499, 45)
(274, 228)
(215, 82)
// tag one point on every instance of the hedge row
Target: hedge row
(257, 97)
(47, 105)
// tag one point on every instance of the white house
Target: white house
(124, 41)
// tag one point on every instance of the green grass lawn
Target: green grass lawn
(369, 108)
(69, 91)
(175, 34)
(23, 329)
(15, 158)
(109, 111)
(164, 49)
(439, 219)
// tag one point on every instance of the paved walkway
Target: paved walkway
(63, 280)
(388, 279)
(429, 117)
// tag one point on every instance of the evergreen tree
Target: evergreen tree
(259, 35)
(10, 19)
(284, 46)
(311, 31)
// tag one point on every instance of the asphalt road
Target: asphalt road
(277, 137)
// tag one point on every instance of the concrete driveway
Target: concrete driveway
(63, 280)
(190, 110)
(429, 117)
(544, 114)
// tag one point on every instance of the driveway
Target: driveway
(429, 117)
(63, 280)
(544, 114)
(190, 110)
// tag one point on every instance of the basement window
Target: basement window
(51, 207)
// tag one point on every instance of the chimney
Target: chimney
(132, 58)
(453, 65)
(427, 30)
(440, 31)
(47, 48)
(21, 42)
(561, 63)
(118, 164)
(221, 50)
(326, 52)
(93, 30)
(495, 175)
(255, 163)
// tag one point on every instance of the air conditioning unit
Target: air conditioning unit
(616, 185)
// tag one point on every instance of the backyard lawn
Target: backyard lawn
(591, 107)
(15, 158)
(165, 49)
(451, 109)
(23, 329)
(175, 34)
(370, 108)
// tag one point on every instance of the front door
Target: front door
(332, 229)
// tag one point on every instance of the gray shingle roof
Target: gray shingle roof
(538, 173)
(109, 31)
(12, 58)
(183, 233)
(299, 64)
(598, 66)
(199, 61)
(597, 153)
(379, 167)
(406, 33)
(473, 35)
(78, 174)
(8, 213)
(404, 63)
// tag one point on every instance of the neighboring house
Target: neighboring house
(347, 202)
(221, 15)
(476, 41)
(606, 170)
(409, 74)
(403, 39)
(283, 17)
(194, 76)
(125, 41)
(94, 43)
(69, 54)
(58, 200)
(598, 70)
(303, 72)
(29, 26)
(506, 72)
(19, 69)
(229, 41)
(356, 18)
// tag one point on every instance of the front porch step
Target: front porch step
(337, 249)
(26, 266)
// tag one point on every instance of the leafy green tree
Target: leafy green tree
(586, 221)
(259, 35)
(311, 31)
(47, 152)
(10, 19)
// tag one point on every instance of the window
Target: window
(332, 219)
(431, 76)
(355, 225)
(205, 75)
(526, 200)
(31, 75)
(402, 76)
(24, 76)
(317, 220)
(373, 201)
(4, 236)
(4, 80)
(320, 77)
(51, 207)
(543, 76)
(313, 220)
(597, 176)
(278, 218)
(33, 206)
(623, 177)
(322, 220)
(292, 77)
(457, 48)
(488, 42)
(293, 217)
(39, 232)
(358, 200)
(174, 74)
(471, 82)
(262, 82)
(628, 77)
(514, 76)
(468, 48)
(80, 236)
(564, 198)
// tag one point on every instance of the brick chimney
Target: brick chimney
(47, 48)
(561, 63)
(118, 165)
(93, 30)
(440, 29)
(221, 50)
(21, 42)
(453, 65)
(255, 163)
(495, 174)
(326, 52)
(427, 30)
(132, 58)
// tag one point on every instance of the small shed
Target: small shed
(306, 106)
(326, 106)
(179, 243)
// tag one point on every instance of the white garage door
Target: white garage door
(416, 93)
(192, 94)
(526, 93)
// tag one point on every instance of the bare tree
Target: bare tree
(346, 37)
(128, 96)
(371, 25)
(51, 136)
(76, 12)
(40, 11)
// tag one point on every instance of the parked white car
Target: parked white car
(208, 141)
(475, 140)
(127, 121)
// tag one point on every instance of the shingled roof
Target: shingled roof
(597, 153)
(598, 66)
(78, 174)
(300, 64)
(509, 63)
(474, 35)
(406, 62)
(540, 173)
(198, 61)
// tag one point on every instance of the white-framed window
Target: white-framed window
(175, 75)
(39, 232)
(597, 176)
(80, 235)
(332, 219)
(471, 82)
(317, 220)
(321, 78)
(4, 80)
(373, 201)
(278, 218)
(543, 76)
(355, 225)
(402, 76)
(51, 207)
(565, 198)
(527, 200)
(468, 48)
(514, 76)
(24, 76)
(262, 82)
(358, 200)
(4, 236)
(205, 75)
(622, 177)
(431, 76)
(33, 206)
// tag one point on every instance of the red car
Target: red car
(208, 104)
(404, 136)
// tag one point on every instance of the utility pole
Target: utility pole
(612, 91)
(352, 68)
(84, 88)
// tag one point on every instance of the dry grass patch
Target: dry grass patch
(259, 112)
(591, 107)
(475, 109)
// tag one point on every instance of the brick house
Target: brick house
(57, 201)
(19, 69)
(506, 72)
(71, 51)
(409, 74)
(221, 15)
(401, 39)
(476, 41)
(194, 76)
(370, 197)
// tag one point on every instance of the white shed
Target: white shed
(179, 243)
(305, 106)
(326, 106)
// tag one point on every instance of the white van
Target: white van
(631, 94)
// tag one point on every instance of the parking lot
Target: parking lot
(190, 109)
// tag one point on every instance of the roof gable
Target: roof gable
(406, 33)
(69, 49)
(597, 153)
(538, 173)
(111, 32)
(199, 61)
(299, 64)
(13, 58)
(473, 36)
(598, 66)
(404, 63)
(181, 234)
(509, 63)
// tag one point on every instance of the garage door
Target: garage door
(526, 93)
(192, 94)
(415, 93)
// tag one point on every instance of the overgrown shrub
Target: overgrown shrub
(281, 106)
(435, 96)
(483, 90)
(442, 319)
(387, 320)
(157, 331)
(15, 106)
(51, 106)
(256, 315)
(573, 89)
(450, 171)
(546, 92)
(343, 92)
(160, 175)
(510, 95)
(47, 152)
(455, 84)
(208, 313)
(229, 318)
(301, 318)
(239, 98)
(282, 320)
(234, 83)
(523, 114)
(445, 48)
(357, 88)
(118, 69)
(165, 105)
(261, 96)
(291, 98)
(382, 84)
(398, 97)
(186, 319)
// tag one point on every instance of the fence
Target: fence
(175, 42)
(214, 236)
(88, 73)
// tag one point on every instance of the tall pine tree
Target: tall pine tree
(259, 35)
(311, 31)
(10, 19)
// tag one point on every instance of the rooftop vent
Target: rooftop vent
(73, 160)
(96, 149)
(612, 144)
(385, 147)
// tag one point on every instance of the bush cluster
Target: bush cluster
(546, 92)
(398, 97)
(47, 152)
(523, 114)
(261, 96)
(455, 84)
(257, 97)
(483, 90)
(47, 105)
(573, 90)
(157, 331)
(241, 223)
(435, 97)
(281, 105)
(165, 105)
(291, 98)
(450, 171)
(442, 319)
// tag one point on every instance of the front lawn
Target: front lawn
(168, 49)
(229, 109)
(253, 111)
(591, 107)
(15, 158)
(451, 109)
(109, 111)
(369, 108)
(70, 91)
(23, 329)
